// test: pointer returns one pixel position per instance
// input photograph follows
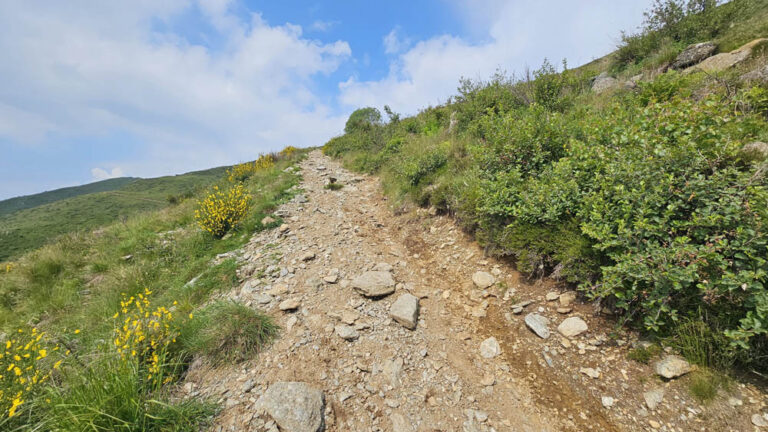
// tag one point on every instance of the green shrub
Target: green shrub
(363, 119)
(229, 332)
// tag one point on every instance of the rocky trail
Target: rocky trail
(396, 321)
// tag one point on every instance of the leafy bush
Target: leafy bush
(221, 211)
(362, 119)
(243, 171)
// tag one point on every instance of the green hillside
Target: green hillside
(649, 194)
(29, 201)
(40, 218)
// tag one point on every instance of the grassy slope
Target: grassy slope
(57, 212)
(28, 201)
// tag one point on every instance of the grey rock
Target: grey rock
(392, 370)
(538, 324)
(755, 151)
(400, 423)
(760, 421)
(758, 75)
(483, 279)
(552, 296)
(490, 348)
(572, 326)
(672, 366)
(374, 284)
(294, 406)
(346, 332)
(693, 54)
(590, 372)
(607, 401)
(723, 61)
(309, 256)
(262, 298)
(301, 199)
(604, 82)
(405, 310)
(289, 305)
(382, 266)
(567, 298)
(653, 398)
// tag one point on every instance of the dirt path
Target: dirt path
(433, 378)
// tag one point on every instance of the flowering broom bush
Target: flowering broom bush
(288, 151)
(243, 171)
(24, 368)
(220, 211)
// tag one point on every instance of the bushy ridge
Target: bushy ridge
(643, 198)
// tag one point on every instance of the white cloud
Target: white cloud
(93, 69)
(512, 35)
(102, 174)
(322, 26)
(394, 43)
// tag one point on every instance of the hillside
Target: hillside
(29, 201)
(27, 223)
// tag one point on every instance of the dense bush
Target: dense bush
(644, 200)
(220, 211)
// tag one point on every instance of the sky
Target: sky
(91, 90)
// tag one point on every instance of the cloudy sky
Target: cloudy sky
(97, 89)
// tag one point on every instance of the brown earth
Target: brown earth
(432, 378)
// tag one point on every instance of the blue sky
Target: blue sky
(92, 90)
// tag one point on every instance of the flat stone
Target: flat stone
(331, 279)
(723, 61)
(572, 326)
(672, 366)
(405, 310)
(267, 220)
(262, 298)
(289, 305)
(607, 401)
(490, 348)
(538, 324)
(346, 332)
(294, 406)
(483, 279)
(564, 310)
(592, 373)
(309, 256)
(552, 296)
(653, 398)
(374, 284)
(382, 266)
(760, 421)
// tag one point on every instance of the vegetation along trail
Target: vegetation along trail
(397, 322)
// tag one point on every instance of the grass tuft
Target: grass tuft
(334, 186)
(229, 332)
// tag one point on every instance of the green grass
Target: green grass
(26, 223)
(334, 186)
(644, 354)
(705, 384)
(76, 282)
(229, 332)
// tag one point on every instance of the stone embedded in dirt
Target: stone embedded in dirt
(693, 54)
(374, 284)
(262, 298)
(400, 424)
(284, 228)
(331, 279)
(248, 386)
(723, 61)
(653, 398)
(760, 421)
(604, 82)
(607, 401)
(346, 332)
(267, 220)
(309, 256)
(539, 324)
(517, 310)
(294, 406)
(490, 348)
(592, 373)
(405, 310)
(564, 310)
(567, 298)
(301, 199)
(483, 279)
(488, 380)
(572, 326)
(671, 366)
(289, 305)
(552, 296)
(392, 369)
(382, 266)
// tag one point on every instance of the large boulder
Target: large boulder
(754, 151)
(693, 54)
(374, 283)
(723, 61)
(604, 82)
(294, 406)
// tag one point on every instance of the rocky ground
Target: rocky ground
(395, 321)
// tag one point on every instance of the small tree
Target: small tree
(362, 119)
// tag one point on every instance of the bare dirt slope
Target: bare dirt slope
(377, 375)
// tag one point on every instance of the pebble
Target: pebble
(607, 401)
(405, 310)
(490, 348)
(539, 324)
(289, 305)
(483, 279)
(346, 332)
(672, 366)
